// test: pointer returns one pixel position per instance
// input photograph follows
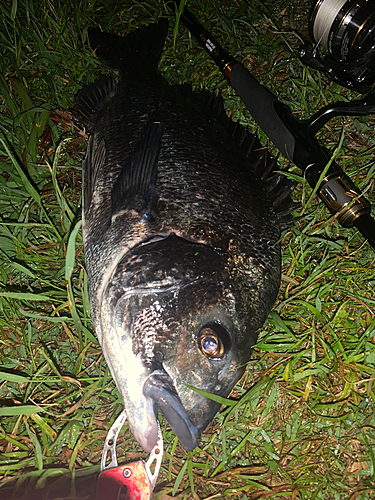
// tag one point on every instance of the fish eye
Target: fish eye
(214, 340)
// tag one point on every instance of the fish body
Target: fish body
(181, 239)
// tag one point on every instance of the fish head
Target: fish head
(174, 319)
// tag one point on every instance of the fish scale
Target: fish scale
(181, 238)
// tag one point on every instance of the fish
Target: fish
(182, 218)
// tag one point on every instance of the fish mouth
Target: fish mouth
(160, 389)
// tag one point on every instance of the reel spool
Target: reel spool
(346, 29)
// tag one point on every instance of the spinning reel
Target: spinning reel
(346, 29)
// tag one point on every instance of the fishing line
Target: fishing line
(322, 17)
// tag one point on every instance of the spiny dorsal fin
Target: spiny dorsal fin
(135, 186)
(279, 187)
(91, 98)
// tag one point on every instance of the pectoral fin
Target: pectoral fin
(135, 186)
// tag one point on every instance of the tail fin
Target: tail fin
(140, 48)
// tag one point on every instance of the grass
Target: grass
(300, 424)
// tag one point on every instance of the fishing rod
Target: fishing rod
(294, 138)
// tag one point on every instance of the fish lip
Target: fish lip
(147, 436)
(160, 388)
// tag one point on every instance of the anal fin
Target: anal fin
(93, 162)
(135, 186)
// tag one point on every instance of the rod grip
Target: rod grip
(261, 104)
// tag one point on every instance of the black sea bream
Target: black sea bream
(180, 236)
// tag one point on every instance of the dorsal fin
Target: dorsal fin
(279, 187)
(91, 98)
(135, 186)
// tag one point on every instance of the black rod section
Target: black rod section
(294, 138)
(366, 226)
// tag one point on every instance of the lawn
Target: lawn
(301, 423)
